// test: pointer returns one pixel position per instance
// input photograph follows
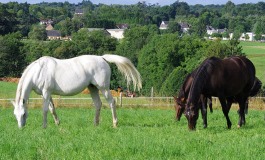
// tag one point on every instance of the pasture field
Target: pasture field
(141, 134)
(255, 51)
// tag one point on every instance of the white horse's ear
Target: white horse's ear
(13, 102)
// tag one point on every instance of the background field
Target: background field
(255, 51)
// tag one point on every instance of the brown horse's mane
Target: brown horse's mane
(201, 77)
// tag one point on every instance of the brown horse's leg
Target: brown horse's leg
(226, 109)
(242, 107)
(210, 104)
(180, 111)
(204, 110)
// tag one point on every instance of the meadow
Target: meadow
(141, 134)
(255, 51)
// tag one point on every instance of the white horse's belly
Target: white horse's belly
(71, 86)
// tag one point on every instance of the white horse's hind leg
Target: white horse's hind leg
(53, 112)
(111, 102)
(97, 102)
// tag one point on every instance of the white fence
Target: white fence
(152, 102)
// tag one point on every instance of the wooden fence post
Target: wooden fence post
(121, 99)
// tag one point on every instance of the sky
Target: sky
(123, 2)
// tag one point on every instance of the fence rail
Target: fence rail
(161, 102)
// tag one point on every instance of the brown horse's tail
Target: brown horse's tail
(255, 88)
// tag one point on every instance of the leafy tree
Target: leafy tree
(93, 42)
(65, 50)
(157, 60)
(134, 40)
(173, 27)
(234, 48)
(258, 29)
(38, 33)
(173, 82)
(222, 50)
(33, 50)
(229, 9)
(12, 59)
(8, 20)
(198, 28)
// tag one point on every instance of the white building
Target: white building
(116, 33)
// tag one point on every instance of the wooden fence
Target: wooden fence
(149, 102)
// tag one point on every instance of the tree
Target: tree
(258, 29)
(173, 82)
(173, 27)
(157, 60)
(134, 40)
(199, 27)
(93, 42)
(229, 9)
(38, 33)
(12, 59)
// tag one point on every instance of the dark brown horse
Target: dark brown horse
(180, 101)
(231, 77)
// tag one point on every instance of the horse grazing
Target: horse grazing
(230, 78)
(180, 101)
(48, 75)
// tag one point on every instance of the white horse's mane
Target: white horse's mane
(21, 81)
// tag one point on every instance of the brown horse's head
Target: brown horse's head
(192, 116)
(180, 104)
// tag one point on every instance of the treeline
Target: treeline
(162, 57)
(238, 19)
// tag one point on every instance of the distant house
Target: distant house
(94, 29)
(249, 36)
(79, 11)
(46, 21)
(210, 30)
(122, 26)
(49, 27)
(53, 34)
(184, 27)
(116, 33)
(164, 25)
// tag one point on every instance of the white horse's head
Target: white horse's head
(20, 112)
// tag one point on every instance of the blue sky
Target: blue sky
(161, 2)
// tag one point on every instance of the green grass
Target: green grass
(255, 51)
(141, 134)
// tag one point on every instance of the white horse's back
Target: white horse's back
(69, 76)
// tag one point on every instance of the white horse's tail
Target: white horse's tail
(126, 67)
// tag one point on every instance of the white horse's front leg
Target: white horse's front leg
(53, 112)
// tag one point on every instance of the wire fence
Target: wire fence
(150, 102)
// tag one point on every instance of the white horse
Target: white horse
(48, 75)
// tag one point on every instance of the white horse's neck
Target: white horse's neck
(24, 86)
